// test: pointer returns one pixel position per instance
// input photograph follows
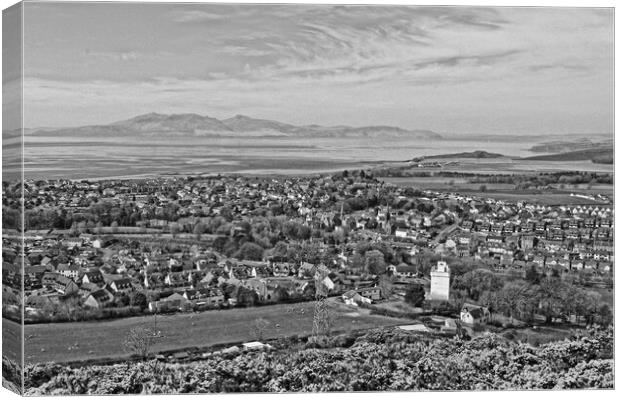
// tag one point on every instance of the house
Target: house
(259, 269)
(353, 298)
(65, 286)
(204, 296)
(72, 242)
(39, 301)
(173, 302)
(401, 232)
(405, 271)
(93, 277)
(306, 270)
(70, 271)
(267, 292)
(61, 284)
(122, 286)
(239, 272)
(48, 279)
(472, 315)
(372, 293)
(99, 299)
(177, 279)
(87, 289)
(281, 269)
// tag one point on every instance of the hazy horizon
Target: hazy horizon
(452, 70)
(449, 134)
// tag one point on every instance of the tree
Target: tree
(375, 262)
(139, 341)
(174, 229)
(280, 249)
(219, 243)
(228, 290)
(139, 299)
(550, 299)
(605, 316)
(386, 286)
(532, 275)
(250, 251)
(518, 299)
(199, 229)
(123, 300)
(477, 281)
(246, 297)
(415, 295)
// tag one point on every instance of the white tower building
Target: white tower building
(440, 282)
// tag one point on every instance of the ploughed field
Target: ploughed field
(64, 342)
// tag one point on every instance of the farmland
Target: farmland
(62, 342)
(557, 195)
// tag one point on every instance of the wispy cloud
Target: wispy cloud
(244, 51)
(473, 66)
(115, 55)
(196, 16)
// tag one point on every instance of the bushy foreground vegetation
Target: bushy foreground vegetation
(378, 360)
(11, 375)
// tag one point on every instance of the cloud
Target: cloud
(196, 16)
(481, 18)
(115, 55)
(244, 51)
(450, 64)
(560, 66)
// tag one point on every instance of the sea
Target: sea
(107, 158)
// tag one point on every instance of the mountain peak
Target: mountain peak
(184, 122)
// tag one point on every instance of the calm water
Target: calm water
(98, 158)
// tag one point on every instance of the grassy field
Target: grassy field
(11, 340)
(539, 335)
(64, 342)
(505, 191)
(398, 305)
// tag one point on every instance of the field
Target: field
(505, 191)
(62, 342)
(11, 340)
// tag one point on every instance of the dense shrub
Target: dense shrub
(11, 375)
(389, 359)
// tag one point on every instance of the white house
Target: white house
(473, 315)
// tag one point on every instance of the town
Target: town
(106, 249)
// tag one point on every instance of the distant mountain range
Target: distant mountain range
(157, 125)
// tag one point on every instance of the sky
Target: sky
(453, 70)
